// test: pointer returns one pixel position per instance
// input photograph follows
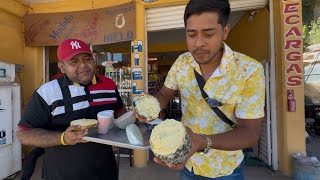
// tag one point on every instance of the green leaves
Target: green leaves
(311, 33)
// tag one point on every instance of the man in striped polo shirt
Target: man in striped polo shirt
(78, 94)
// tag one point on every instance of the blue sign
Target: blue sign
(137, 46)
(136, 59)
(117, 56)
(135, 90)
(137, 73)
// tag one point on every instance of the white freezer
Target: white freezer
(10, 147)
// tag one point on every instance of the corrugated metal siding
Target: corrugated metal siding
(242, 5)
(165, 18)
(264, 147)
(264, 143)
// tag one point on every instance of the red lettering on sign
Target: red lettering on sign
(294, 68)
(294, 31)
(293, 56)
(293, 43)
(291, 8)
(294, 81)
(90, 31)
(290, 20)
(35, 29)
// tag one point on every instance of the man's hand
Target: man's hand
(141, 118)
(197, 143)
(74, 136)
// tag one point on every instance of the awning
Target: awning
(165, 18)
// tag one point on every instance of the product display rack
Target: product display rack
(122, 78)
(154, 77)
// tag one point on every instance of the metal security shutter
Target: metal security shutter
(264, 147)
(165, 18)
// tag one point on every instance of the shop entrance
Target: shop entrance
(161, 55)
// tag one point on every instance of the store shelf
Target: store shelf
(125, 90)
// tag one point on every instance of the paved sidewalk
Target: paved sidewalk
(155, 172)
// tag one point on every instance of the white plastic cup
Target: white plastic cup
(111, 111)
(105, 119)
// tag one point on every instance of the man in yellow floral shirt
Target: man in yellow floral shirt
(234, 79)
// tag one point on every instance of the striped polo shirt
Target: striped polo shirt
(53, 106)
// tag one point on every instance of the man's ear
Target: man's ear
(226, 31)
(61, 67)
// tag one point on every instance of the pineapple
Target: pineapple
(170, 142)
(148, 107)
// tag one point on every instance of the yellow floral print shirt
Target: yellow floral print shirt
(238, 83)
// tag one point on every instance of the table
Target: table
(118, 137)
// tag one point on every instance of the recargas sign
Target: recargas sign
(293, 43)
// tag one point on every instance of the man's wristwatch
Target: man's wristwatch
(208, 144)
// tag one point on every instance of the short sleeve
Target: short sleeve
(253, 97)
(36, 114)
(171, 79)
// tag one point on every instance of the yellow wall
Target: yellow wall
(158, 48)
(33, 70)
(78, 5)
(252, 37)
(161, 3)
(291, 125)
(140, 156)
(11, 26)
(74, 5)
(12, 49)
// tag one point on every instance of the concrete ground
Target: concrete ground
(312, 145)
(155, 172)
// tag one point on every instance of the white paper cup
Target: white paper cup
(105, 119)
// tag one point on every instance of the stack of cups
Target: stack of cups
(105, 119)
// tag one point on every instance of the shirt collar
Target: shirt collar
(66, 81)
(227, 61)
(216, 73)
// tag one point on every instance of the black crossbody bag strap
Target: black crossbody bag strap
(219, 113)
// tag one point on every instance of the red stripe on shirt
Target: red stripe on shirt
(23, 128)
(104, 84)
(102, 103)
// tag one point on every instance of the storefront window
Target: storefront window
(114, 61)
(159, 64)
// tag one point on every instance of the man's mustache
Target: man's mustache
(200, 51)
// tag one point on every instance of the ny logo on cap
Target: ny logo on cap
(75, 45)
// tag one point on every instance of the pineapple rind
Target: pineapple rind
(180, 155)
